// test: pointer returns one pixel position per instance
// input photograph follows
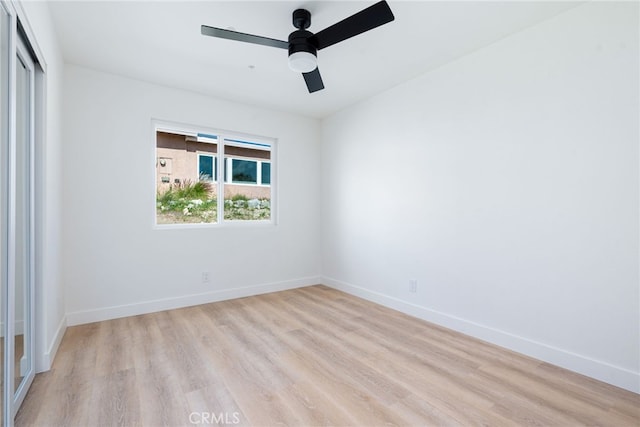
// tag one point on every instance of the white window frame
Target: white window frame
(214, 157)
(224, 138)
(229, 169)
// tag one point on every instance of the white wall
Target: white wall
(50, 308)
(115, 263)
(507, 184)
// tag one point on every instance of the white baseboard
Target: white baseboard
(44, 362)
(115, 312)
(18, 328)
(599, 370)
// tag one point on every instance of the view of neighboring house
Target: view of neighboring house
(191, 158)
(187, 161)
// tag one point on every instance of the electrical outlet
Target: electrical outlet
(205, 277)
(413, 285)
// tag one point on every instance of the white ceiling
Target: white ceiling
(160, 42)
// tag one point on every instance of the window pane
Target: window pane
(244, 171)
(182, 197)
(266, 173)
(244, 198)
(207, 168)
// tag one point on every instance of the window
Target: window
(189, 179)
(247, 191)
(265, 169)
(244, 171)
(207, 167)
(248, 172)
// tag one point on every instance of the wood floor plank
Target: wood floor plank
(308, 356)
(421, 412)
(162, 401)
(343, 393)
(114, 347)
(181, 350)
(115, 400)
(313, 407)
(453, 395)
(559, 401)
(358, 374)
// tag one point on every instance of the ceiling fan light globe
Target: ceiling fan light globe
(303, 62)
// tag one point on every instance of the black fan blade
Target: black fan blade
(313, 80)
(242, 37)
(365, 20)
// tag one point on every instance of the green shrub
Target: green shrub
(238, 197)
(192, 202)
(187, 201)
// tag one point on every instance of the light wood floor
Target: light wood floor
(310, 356)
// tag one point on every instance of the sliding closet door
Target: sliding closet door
(23, 222)
(21, 91)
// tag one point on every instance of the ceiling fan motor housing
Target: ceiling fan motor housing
(299, 42)
(302, 53)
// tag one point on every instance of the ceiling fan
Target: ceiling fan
(303, 45)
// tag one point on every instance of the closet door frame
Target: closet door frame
(21, 43)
